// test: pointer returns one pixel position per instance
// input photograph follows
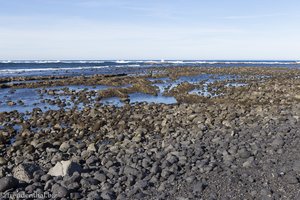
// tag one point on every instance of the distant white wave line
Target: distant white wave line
(94, 61)
(122, 61)
(49, 69)
(228, 62)
(146, 62)
(260, 62)
(208, 62)
(50, 61)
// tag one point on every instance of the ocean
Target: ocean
(90, 67)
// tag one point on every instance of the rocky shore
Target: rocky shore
(240, 144)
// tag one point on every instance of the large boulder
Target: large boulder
(24, 172)
(64, 168)
(7, 183)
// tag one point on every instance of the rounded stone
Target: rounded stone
(59, 191)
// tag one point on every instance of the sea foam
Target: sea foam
(11, 71)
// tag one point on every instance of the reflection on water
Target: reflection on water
(140, 97)
(65, 96)
(166, 84)
(236, 84)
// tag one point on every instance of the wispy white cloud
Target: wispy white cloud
(100, 3)
(105, 40)
(155, 9)
(151, 11)
(62, 29)
(255, 16)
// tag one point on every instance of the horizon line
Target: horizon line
(149, 60)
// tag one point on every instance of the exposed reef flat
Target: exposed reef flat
(238, 141)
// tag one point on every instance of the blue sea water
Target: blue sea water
(90, 67)
(32, 99)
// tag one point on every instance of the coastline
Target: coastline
(199, 147)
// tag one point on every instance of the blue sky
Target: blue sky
(150, 29)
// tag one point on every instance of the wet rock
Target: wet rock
(65, 168)
(11, 103)
(51, 92)
(125, 100)
(20, 102)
